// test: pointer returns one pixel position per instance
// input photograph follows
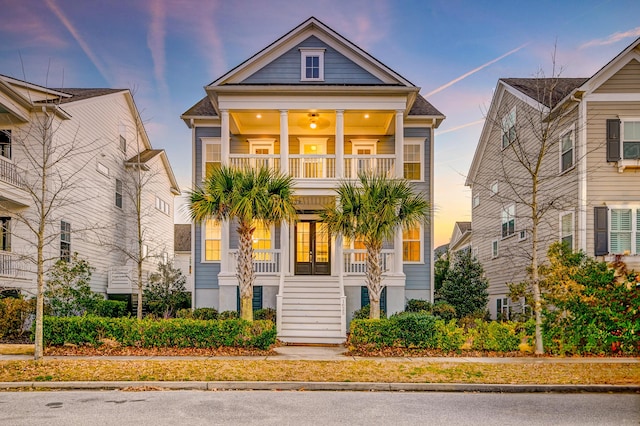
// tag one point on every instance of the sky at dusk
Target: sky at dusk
(455, 50)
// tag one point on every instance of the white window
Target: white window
(494, 249)
(567, 151)
(508, 220)
(261, 148)
(476, 200)
(212, 155)
(413, 161)
(5, 235)
(522, 235)
(630, 133)
(475, 252)
(212, 240)
(102, 169)
(312, 64)
(412, 245)
(624, 235)
(65, 241)
(163, 206)
(494, 188)
(118, 193)
(123, 137)
(145, 251)
(509, 128)
(566, 229)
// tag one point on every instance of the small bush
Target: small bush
(265, 314)
(418, 305)
(198, 313)
(444, 310)
(224, 315)
(414, 329)
(110, 308)
(448, 336)
(15, 317)
(365, 313)
(92, 330)
(372, 333)
(495, 336)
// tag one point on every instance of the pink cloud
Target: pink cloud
(613, 38)
(156, 43)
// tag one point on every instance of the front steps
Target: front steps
(311, 311)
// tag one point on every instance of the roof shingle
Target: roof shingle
(547, 91)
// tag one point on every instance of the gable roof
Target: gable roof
(546, 91)
(149, 154)
(81, 94)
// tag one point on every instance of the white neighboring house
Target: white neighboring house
(315, 106)
(460, 238)
(591, 170)
(99, 215)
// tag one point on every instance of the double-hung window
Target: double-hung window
(212, 240)
(5, 143)
(509, 128)
(630, 139)
(412, 160)
(262, 241)
(5, 234)
(65, 241)
(566, 229)
(123, 138)
(567, 151)
(411, 244)
(212, 155)
(312, 64)
(508, 220)
(118, 193)
(623, 230)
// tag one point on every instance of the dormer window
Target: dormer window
(311, 64)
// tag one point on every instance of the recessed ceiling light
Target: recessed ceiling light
(258, 115)
(366, 116)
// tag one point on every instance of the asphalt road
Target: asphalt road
(157, 408)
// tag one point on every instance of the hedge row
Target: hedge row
(424, 331)
(147, 333)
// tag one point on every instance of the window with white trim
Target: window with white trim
(566, 229)
(624, 235)
(312, 64)
(567, 151)
(494, 249)
(412, 244)
(212, 155)
(5, 143)
(118, 193)
(508, 220)
(509, 128)
(102, 169)
(212, 240)
(630, 135)
(5, 234)
(65, 241)
(476, 200)
(163, 206)
(494, 188)
(413, 161)
(122, 131)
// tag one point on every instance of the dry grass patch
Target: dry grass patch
(318, 371)
(16, 349)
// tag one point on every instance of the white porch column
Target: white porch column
(225, 261)
(397, 253)
(284, 249)
(399, 145)
(224, 137)
(339, 143)
(284, 144)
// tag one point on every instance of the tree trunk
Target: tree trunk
(139, 291)
(39, 334)
(245, 272)
(374, 278)
(535, 281)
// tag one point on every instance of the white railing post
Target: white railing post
(284, 141)
(339, 144)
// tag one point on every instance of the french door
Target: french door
(313, 248)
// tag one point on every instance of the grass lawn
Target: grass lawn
(318, 371)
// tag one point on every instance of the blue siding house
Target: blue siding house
(316, 106)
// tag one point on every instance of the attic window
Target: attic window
(311, 64)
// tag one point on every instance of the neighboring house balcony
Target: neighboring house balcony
(12, 183)
(12, 265)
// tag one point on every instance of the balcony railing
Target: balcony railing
(12, 266)
(12, 174)
(255, 161)
(312, 166)
(354, 164)
(355, 261)
(265, 262)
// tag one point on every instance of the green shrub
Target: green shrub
(365, 312)
(418, 305)
(15, 317)
(372, 333)
(495, 336)
(110, 308)
(91, 330)
(224, 315)
(448, 336)
(444, 310)
(198, 313)
(265, 314)
(414, 329)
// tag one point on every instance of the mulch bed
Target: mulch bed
(104, 350)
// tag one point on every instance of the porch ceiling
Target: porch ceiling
(355, 122)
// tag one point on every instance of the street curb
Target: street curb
(324, 386)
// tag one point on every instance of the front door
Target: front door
(313, 247)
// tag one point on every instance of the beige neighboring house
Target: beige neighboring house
(592, 172)
(182, 252)
(460, 237)
(96, 215)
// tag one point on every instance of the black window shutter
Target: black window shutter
(613, 140)
(364, 298)
(601, 230)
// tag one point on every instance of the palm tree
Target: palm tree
(247, 195)
(371, 209)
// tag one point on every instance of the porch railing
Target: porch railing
(312, 166)
(355, 261)
(255, 161)
(354, 164)
(265, 262)
(12, 174)
(11, 265)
